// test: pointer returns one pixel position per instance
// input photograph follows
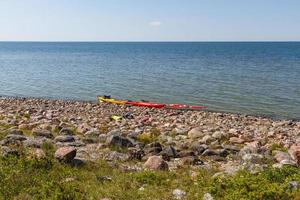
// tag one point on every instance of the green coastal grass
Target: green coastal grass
(22, 178)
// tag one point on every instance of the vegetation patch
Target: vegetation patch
(46, 178)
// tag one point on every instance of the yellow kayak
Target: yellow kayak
(111, 100)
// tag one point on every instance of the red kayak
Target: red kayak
(146, 104)
(183, 106)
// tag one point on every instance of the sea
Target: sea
(252, 78)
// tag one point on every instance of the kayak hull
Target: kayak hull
(145, 104)
(107, 99)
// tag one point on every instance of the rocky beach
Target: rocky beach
(148, 139)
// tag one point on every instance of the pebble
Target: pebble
(207, 196)
(196, 133)
(179, 194)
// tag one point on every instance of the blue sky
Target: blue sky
(149, 20)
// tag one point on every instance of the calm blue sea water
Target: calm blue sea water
(254, 78)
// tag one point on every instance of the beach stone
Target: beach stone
(66, 131)
(215, 152)
(116, 132)
(83, 128)
(31, 142)
(94, 133)
(288, 162)
(113, 156)
(294, 152)
(134, 135)
(156, 163)
(253, 158)
(170, 152)
(136, 153)
(196, 133)
(42, 133)
(248, 149)
(75, 143)
(119, 141)
(230, 168)
(207, 139)
(38, 153)
(236, 140)
(219, 135)
(102, 137)
(207, 196)
(15, 132)
(293, 185)
(279, 156)
(14, 137)
(179, 194)
(185, 153)
(7, 151)
(64, 138)
(198, 148)
(153, 148)
(190, 160)
(231, 148)
(65, 154)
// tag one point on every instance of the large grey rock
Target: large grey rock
(65, 154)
(66, 131)
(215, 152)
(42, 133)
(12, 138)
(153, 148)
(15, 132)
(93, 133)
(169, 152)
(185, 153)
(253, 158)
(116, 156)
(279, 156)
(7, 151)
(120, 141)
(31, 142)
(198, 148)
(156, 163)
(64, 138)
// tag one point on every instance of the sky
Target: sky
(149, 20)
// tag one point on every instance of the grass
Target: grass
(23, 178)
(150, 136)
(278, 147)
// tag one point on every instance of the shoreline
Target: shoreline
(261, 116)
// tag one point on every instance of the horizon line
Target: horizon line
(148, 41)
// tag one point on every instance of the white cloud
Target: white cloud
(155, 23)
